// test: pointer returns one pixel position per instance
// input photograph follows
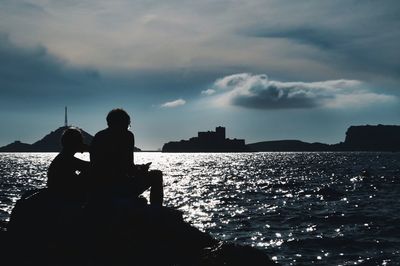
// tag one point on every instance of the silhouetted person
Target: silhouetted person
(62, 176)
(111, 156)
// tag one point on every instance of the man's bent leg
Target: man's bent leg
(156, 189)
(153, 180)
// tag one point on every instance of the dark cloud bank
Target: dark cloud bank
(359, 36)
(33, 76)
(34, 73)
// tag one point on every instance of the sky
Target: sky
(264, 69)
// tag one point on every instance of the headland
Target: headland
(49, 143)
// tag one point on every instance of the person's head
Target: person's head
(118, 119)
(72, 140)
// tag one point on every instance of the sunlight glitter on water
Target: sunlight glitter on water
(300, 207)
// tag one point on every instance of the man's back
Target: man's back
(111, 155)
(62, 175)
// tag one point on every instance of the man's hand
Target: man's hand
(141, 168)
(146, 166)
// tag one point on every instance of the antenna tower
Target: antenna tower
(66, 117)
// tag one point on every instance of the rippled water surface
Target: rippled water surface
(301, 208)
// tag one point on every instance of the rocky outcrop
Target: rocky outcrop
(45, 229)
(372, 138)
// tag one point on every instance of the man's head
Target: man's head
(72, 140)
(118, 119)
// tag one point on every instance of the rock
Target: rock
(235, 255)
(46, 229)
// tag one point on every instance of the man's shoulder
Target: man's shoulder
(130, 134)
(108, 135)
(61, 159)
(101, 132)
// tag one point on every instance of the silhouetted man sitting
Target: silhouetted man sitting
(63, 178)
(111, 156)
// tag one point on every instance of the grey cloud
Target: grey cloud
(352, 36)
(22, 7)
(343, 38)
(275, 97)
(34, 73)
(355, 38)
(324, 39)
(35, 77)
(257, 92)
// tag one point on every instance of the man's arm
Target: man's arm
(81, 165)
(132, 150)
(130, 156)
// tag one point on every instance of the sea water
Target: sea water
(301, 208)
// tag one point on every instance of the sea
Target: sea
(301, 208)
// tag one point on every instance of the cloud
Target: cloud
(45, 79)
(36, 73)
(321, 38)
(246, 35)
(174, 104)
(336, 37)
(208, 92)
(258, 92)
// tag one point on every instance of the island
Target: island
(210, 141)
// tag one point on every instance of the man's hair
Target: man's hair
(118, 118)
(71, 138)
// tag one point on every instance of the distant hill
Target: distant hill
(17, 146)
(49, 143)
(287, 145)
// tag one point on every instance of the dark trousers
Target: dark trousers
(151, 179)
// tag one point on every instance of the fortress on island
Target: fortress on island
(210, 141)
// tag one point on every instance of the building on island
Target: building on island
(210, 141)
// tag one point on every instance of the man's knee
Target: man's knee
(156, 176)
